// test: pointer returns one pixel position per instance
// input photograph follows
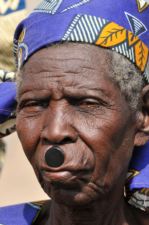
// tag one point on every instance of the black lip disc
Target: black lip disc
(54, 157)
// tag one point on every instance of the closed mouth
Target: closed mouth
(66, 178)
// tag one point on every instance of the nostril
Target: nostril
(45, 141)
(67, 140)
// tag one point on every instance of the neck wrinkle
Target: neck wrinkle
(93, 215)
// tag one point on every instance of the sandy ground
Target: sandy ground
(17, 181)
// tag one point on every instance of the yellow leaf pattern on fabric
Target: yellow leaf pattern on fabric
(111, 35)
(132, 39)
(141, 54)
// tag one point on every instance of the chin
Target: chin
(72, 196)
(63, 188)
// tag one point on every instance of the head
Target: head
(95, 111)
(83, 98)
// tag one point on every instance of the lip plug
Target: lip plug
(54, 157)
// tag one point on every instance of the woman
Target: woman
(82, 109)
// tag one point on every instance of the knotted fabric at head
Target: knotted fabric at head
(11, 13)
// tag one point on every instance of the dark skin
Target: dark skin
(67, 98)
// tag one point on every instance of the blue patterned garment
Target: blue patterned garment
(23, 214)
(122, 26)
(7, 89)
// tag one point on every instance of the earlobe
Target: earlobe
(142, 134)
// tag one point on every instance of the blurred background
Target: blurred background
(17, 180)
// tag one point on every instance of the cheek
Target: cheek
(111, 142)
(112, 162)
(28, 131)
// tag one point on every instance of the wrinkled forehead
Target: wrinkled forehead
(69, 59)
(71, 54)
(71, 65)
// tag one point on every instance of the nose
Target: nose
(58, 127)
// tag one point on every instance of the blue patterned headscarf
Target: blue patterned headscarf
(122, 26)
(119, 26)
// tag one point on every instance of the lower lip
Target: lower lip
(62, 176)
(66, 177)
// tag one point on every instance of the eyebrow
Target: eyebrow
(85, 91)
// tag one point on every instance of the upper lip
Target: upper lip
(72, 169)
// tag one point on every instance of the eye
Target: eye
(32, 106)
(90, 103)
(87, 103)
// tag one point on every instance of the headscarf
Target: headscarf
(122, 26)
(119, 26)
(11, 13)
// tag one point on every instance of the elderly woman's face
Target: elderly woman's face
(66, 98)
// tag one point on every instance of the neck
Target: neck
(110, 211)
(94, 214)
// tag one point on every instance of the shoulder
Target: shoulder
(22, 214)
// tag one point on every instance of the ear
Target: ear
(142, 134)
